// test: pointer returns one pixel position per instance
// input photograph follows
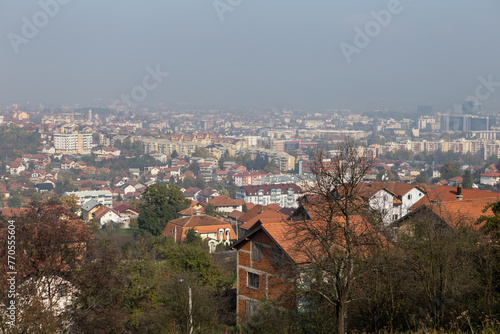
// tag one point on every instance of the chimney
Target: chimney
(459, 189)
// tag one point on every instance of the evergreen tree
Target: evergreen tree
(161, 204)
(467, 183)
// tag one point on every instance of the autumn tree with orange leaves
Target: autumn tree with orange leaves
(50, 240)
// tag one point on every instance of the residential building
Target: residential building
(225, 204)
(106, 216)
(88, 208)
(392, 199)
(105, 197)
(73, 143)
(490, 178)
(285, 195)
(215, 230)
(262, 256)
(248, 178)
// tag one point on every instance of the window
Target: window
(409, 196)
(386, 197)
(253, 281)
(61, 290)
(256, 252)
(394, 217)
(251, 307)
(276, 256)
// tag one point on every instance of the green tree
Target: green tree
(95, 138)
(223, 159)
(200, 181)
(14, 201)
(467, 183)
(210, 210)
(194, 167)
(201, 152)
(224, 192)
(101, 285)
(422, 178)
(160, 204)
(192, 237)
(450, 170)
(491, 223)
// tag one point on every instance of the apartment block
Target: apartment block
(73, 143)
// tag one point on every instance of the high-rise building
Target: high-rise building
(73, 143)
(464, 123)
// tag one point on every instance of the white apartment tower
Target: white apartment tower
(73, 143)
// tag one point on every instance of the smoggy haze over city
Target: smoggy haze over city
(251, 53)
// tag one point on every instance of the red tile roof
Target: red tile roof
(235, 214)
(491, 174)
(463, 212)
(443, 194)
(201, 220)
(221, 201)
(267, 215)
(191, 211)
(12, 212)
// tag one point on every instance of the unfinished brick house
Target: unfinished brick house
(265, 265)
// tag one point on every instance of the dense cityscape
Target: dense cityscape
(139, 179)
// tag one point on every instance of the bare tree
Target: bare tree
(333, 229)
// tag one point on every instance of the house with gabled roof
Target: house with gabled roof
(491, 178)
(447, 211)
(107, 151)
(491, 168)
(192, 193)
(207, 227)
(261, 257)
(88, 208)
(192, 211)
(225, 204)
(208, 193)
(392, 199)
(106, 216)
(67, 164)
(443, 194)
(455, 181)
(16, 167)
(269, 260)
(266, 215)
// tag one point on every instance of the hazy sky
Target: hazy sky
(263, 53)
